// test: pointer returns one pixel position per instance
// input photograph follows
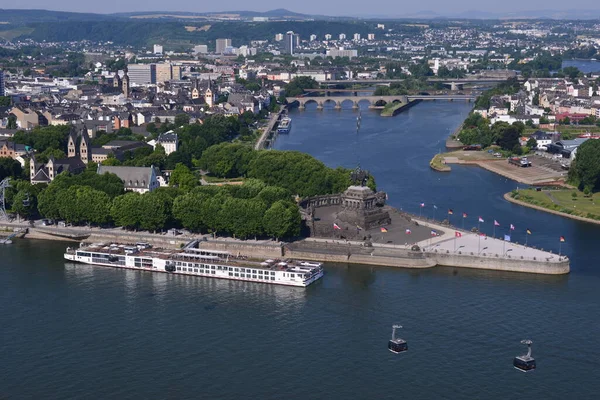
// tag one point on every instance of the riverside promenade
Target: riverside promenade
(261, 143)
(445, 249)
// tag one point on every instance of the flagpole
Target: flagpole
(434, 213)
(463, 224)
(420, 210)
(526, 237)
(503, 247)
(494, 234)
(559, 248)
(479, 243)
(455, 242)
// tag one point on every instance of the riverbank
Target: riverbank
(264, 139)
(508, 197)
(439, 164)
(446, 249)
(542, 172)
(397, 108)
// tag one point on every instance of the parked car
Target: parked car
(47, 222)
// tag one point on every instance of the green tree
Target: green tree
(126, 210)
(297, 86)
(532, 143)
(12, 122)
(509, 138)
(4, 101)
(227, 160)
(282, 219)
(155, 210)
(181, 119)
(242, 218)
(10, 168)
(585, 169)
(183, 177)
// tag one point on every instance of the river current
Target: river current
(75, 331)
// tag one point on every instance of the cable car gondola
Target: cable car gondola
(397, 345)
(526, 362)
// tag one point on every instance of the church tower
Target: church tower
(72, 144)
(209, 97)
(195, 91)
(85, 149)
(125, 84)
(117, 81)
(32, 167)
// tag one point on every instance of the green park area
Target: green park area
(572, 202)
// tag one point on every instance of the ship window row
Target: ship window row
(264, 277)
(84, 254)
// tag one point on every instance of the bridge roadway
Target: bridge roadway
(373, 100)
(458, 81)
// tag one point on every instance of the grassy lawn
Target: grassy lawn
(563, 201)
(437, 163)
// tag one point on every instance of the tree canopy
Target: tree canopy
(585, 171)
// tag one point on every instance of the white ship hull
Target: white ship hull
(219, 270)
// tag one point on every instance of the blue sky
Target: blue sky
(331, 7)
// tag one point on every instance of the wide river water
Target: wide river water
(75, 331)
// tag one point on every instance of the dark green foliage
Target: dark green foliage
(297, 172)
(282, 219)
(585, 170)
(4, 101)
(297, 86)
(10, 168)
(43, 138)
(82, 204)
(509, 138)
(511, 86)
(227, 160)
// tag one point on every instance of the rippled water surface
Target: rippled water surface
(75, 331)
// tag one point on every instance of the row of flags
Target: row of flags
(457, 234)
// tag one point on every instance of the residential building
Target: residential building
(142, 74)
(135, 179)
(169, 141)
(221, 45)
(200, 49)
(12, 149)
(158, 49)
(371, 36)
(341, 52)
(164, 72)
(26, 119)
(278, 37)
(2, 85)
(313, 37)
(328, 36)
(356, 37)
(292, 41)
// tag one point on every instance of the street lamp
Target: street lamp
(482, 250)
(508, 251)
(459, 247)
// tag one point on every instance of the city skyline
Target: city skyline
(386, 9)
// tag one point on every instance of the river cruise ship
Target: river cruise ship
(285, 125)
(199, 262)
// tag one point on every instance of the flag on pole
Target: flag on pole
(528, 232)
(422, 204)
(457, 234)
(336, 226)
(481, 219)
(433, 233)
(450, 212)
(507, 238)
(383, 230)
(482, 234)
(358, 227)
(562, 238)
(496, 223)
(464, 215)
(434, 206)
(408, 231)
(512, 227)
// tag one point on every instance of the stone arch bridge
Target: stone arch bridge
(372, 100)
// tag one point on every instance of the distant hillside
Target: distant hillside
(22, 17)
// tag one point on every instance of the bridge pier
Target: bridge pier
(302, 107)
(338, 105)
(319, 105)
(355, 105)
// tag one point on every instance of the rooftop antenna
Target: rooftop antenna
(3, 185)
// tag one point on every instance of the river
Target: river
(584, 66)
(79, 331)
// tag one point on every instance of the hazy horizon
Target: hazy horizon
(389, 8)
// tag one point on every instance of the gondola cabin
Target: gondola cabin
(526, 362)
(397, 346)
